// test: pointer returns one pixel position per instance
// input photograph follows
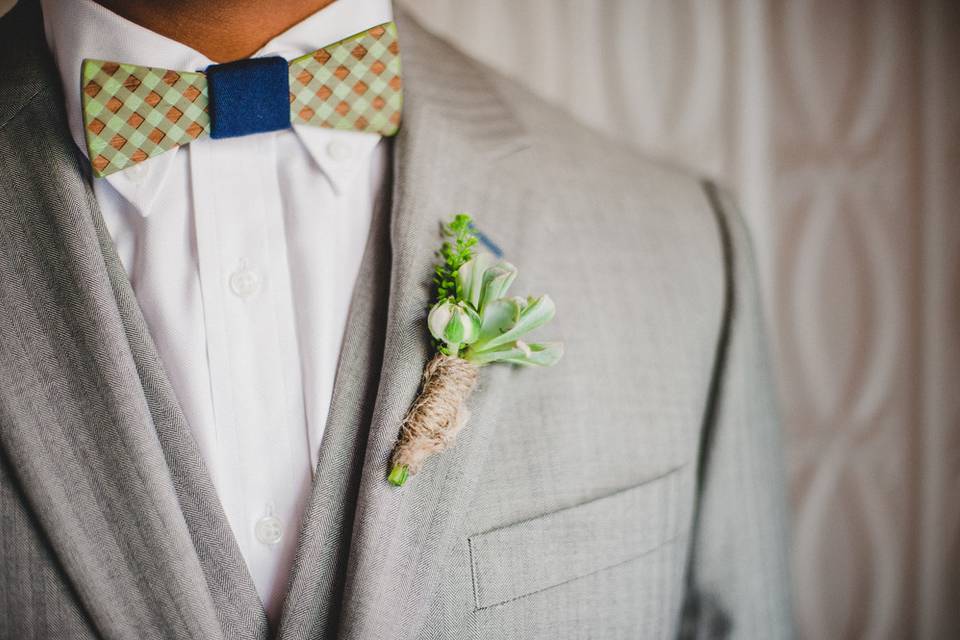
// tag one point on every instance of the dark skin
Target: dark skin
(222, 30)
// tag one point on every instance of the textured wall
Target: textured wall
(837, 123)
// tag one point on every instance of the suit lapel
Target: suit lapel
(455, 130)
(312, 603)
(89, 421)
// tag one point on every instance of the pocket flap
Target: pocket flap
(548, 550)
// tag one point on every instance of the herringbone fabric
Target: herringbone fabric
(132, 113)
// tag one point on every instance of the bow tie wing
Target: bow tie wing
(131, 113)
(353, 85)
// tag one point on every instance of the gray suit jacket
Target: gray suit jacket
(633, 491)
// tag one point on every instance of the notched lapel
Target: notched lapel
(455, 129)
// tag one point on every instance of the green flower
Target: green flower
(474, 318)
(454, 324)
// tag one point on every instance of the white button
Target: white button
(339, 150)
(244, 282)
(268, 530)
(137, 173)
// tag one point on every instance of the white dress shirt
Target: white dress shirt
(243, 254)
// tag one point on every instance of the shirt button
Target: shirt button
(268, 530)
(339, 150)
(244, 282)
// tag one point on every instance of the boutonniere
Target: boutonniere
(474, 323)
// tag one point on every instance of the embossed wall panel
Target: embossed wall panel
(837, 122)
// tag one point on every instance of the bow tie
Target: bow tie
(131, 113)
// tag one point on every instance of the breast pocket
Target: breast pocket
(547, 551)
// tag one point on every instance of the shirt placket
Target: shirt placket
(253, 358)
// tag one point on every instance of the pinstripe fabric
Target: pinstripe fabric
(633, 491)
(55, 611)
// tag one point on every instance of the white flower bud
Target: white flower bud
(454, 323)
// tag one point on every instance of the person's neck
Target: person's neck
(222, 30)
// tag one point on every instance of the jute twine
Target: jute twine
(438, 413)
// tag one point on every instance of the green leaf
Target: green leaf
(454, 331)
(542, 354)
(496, 281)
(497, 318)
(538, 312)
(493, 355)
(470, 278)
(471, 325)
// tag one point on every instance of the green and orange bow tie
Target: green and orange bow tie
(132, 113)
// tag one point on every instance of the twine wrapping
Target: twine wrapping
(438, 413)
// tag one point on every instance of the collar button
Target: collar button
(137, 173)
(339, 151)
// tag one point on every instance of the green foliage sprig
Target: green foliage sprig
(453, 254)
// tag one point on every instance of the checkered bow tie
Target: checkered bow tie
(131, 113)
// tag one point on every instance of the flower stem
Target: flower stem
(398, 475)
(438, 413)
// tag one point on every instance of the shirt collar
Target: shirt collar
(84, 29)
